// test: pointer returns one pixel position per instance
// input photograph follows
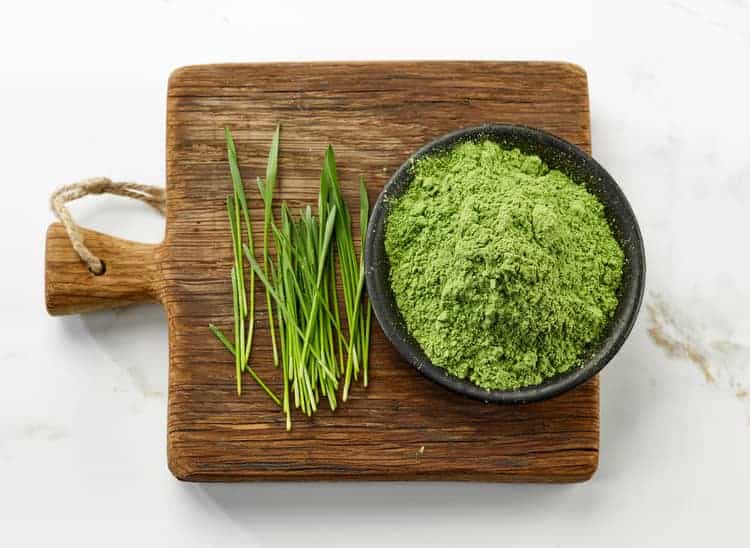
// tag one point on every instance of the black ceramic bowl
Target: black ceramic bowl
(558, 154)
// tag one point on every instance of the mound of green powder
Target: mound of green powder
(505, 271)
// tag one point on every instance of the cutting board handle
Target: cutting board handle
(132, 273)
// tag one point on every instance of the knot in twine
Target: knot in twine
(154, 196)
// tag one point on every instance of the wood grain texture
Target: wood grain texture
(375, 114)
(132, 273)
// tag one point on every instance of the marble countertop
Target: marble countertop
(82, 398)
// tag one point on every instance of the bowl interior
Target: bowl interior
(557, 154)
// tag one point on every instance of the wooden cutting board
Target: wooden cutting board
(375, 114)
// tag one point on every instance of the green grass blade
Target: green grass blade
(267, 189)
(223, 339)
(325, 245)
(364, 219)
(237, 184)
(236, 307)
(248, 308)
(364, 214)
(272, 166)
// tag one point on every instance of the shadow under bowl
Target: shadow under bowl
(581, 168)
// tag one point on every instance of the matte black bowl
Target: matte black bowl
(557, 154)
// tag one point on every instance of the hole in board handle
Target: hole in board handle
(104, 269)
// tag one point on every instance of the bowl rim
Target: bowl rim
(620, 326)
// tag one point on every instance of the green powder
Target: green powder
(505, 272)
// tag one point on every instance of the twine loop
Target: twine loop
(154, 196)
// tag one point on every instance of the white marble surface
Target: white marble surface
(82, 399)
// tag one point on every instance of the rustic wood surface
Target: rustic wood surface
(375, 114)
(132, 273)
